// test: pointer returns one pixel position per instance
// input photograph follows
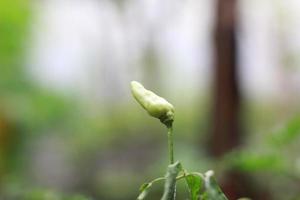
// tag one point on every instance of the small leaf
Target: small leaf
(195, 184)
(144, 189)
(170, 184)
(212, 190)
(144, 186)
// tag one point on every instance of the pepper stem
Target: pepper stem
(170, 144)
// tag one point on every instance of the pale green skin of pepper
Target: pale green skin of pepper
(155, 105)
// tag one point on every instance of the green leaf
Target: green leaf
(144, 189)
(195, 184)
(170, 184)
(212, 190)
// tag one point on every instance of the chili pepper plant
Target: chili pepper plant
(201, 186)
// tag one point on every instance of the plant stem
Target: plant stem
(185, 174)
(170, 144)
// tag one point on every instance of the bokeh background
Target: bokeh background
(69, 128)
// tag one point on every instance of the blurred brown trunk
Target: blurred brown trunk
(226, 131)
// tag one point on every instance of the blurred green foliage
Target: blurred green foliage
(274, 161)
(40, 194)
(13, 27)
(14, 20)
(47, 195)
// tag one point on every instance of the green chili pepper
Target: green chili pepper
(155, 105)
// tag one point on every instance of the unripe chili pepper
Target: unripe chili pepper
(155, 105)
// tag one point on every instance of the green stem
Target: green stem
(185, 174)
(170, 144)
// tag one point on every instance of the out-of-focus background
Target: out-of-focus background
(70, 129)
